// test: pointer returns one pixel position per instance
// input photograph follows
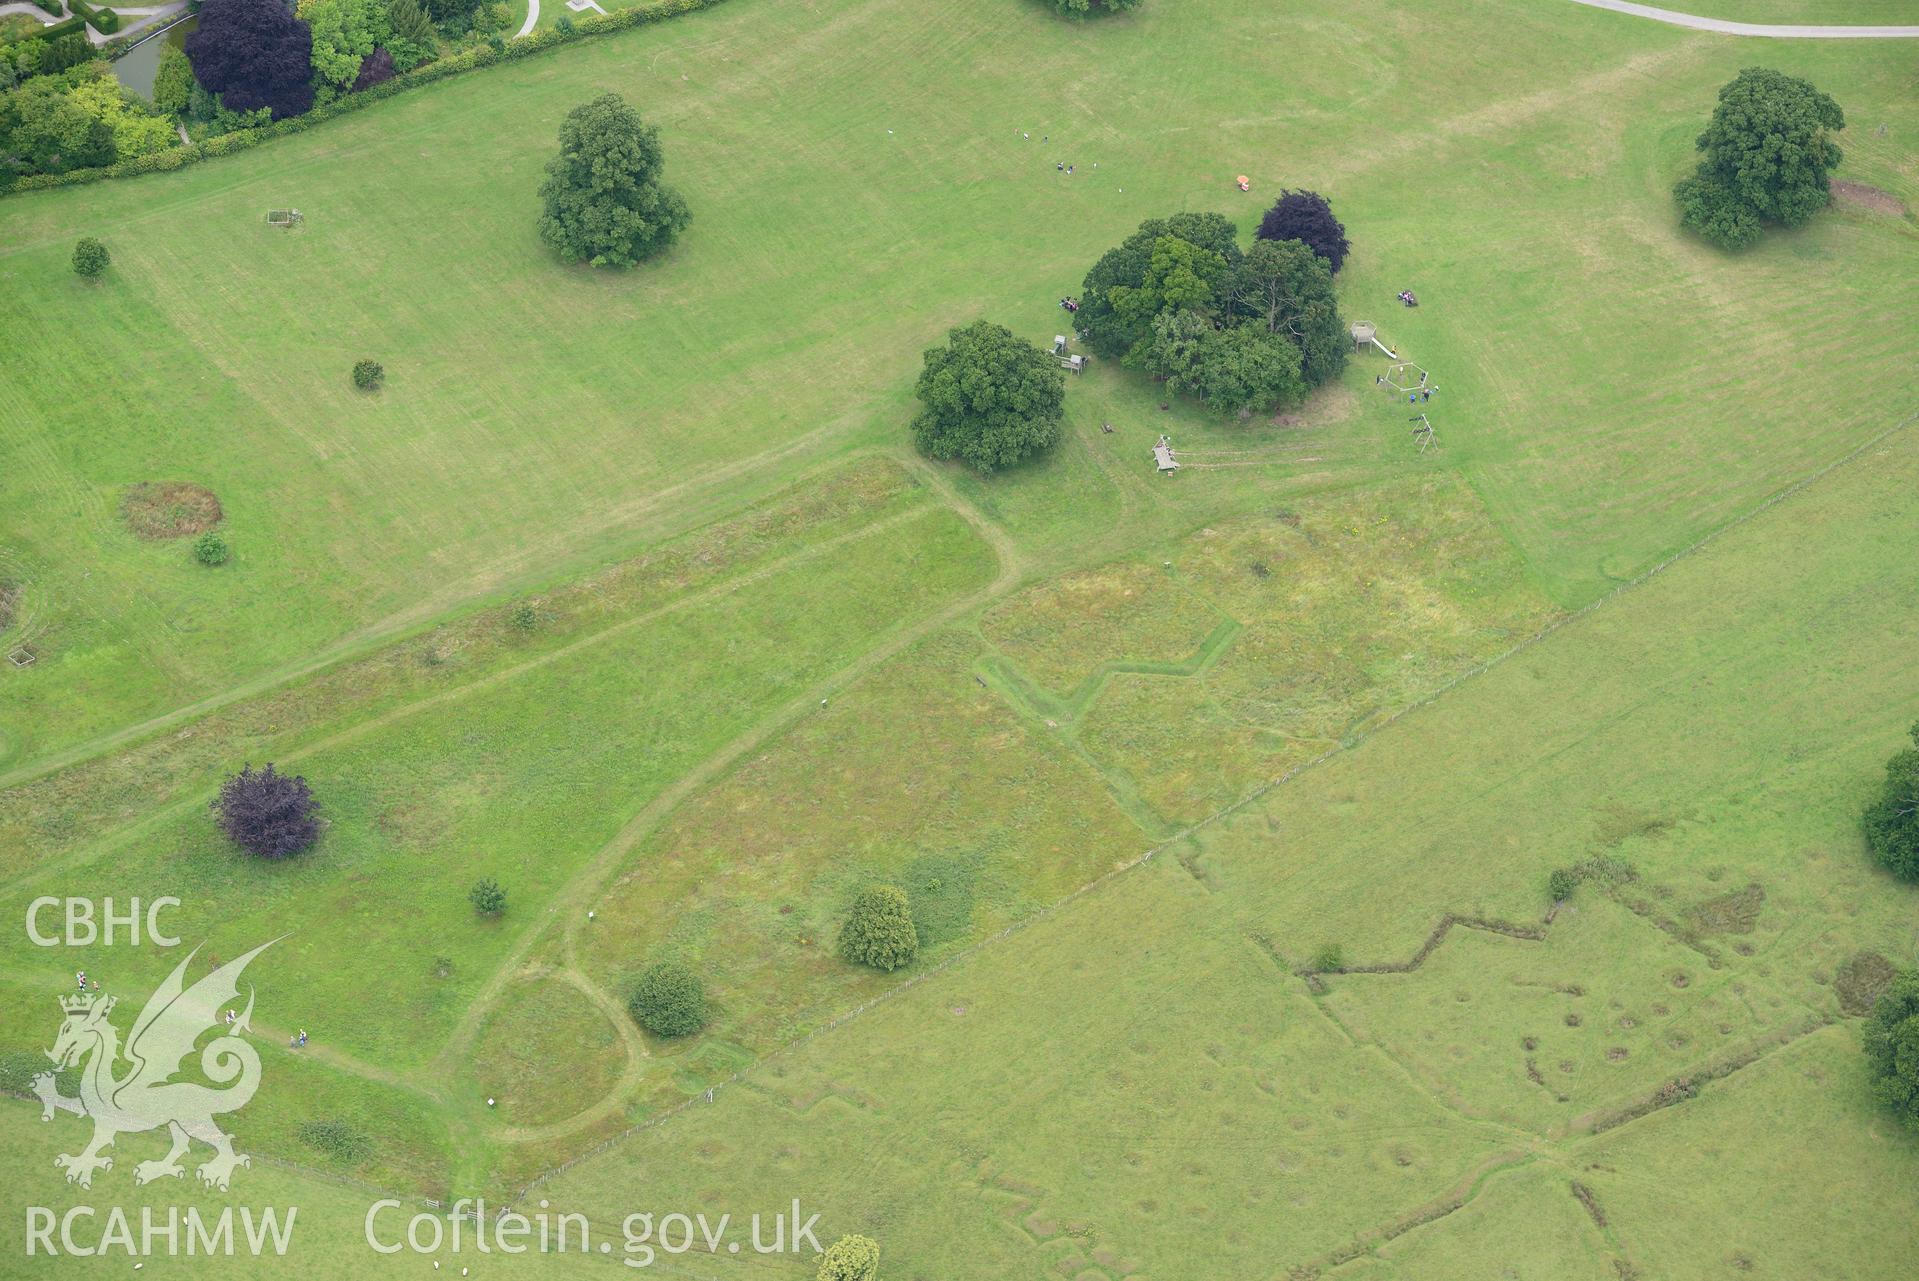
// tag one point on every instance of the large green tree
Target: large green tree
(1767, 158)
(1286, 288)
(1892, 821)
(1180, 276)
(988, 398)
(1115, 333)
(1246, 370)
(605, 203)
(1892, 1047)
(1178, 349)
(879, 930)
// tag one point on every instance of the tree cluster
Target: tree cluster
(988, 398)
(1244, 331)
(77, 117)
(267, 813)
(604, 201)
(1767, 158)
(248, 61)
(1085, 8)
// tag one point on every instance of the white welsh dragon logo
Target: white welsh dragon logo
(146, 1098)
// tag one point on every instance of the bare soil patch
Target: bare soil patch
(1734, 913)
(1860, 981)
(1864, 197)
(158, 510)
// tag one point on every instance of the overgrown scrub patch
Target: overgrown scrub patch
(337, 1140)
(156, 510)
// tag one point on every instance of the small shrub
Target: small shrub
(368, 375)
(524, 617)
(1328, 960)
(336, 1139)
(487, 897)
(879, 931)
(669, 1000)
(442, 967)
(1561, 884)
(90, 258)
(565, 24)
(851, 1258)
(211, 549)
(267, 813)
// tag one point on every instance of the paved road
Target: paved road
(1754, 28)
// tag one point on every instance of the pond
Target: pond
(137, 67)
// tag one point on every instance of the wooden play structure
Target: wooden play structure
(1366, 333)
(1067, 361)
(1163, 456)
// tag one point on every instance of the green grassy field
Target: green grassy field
(1138, 748)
